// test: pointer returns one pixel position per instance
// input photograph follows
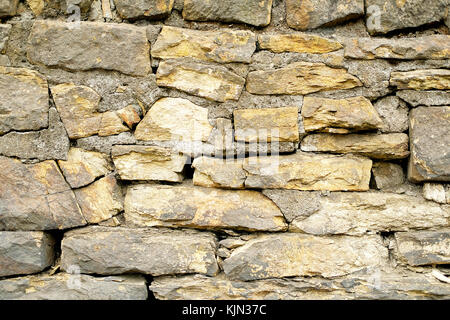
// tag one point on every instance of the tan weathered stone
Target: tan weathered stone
(83, 167)
(306, 171)
(421, 79)
(130, 115)
(427, 47)
(288, 255)
(357, 213)
(266, 125)
(111, 124)
(209, 81)
(150, 9)
(387, 175)
(297, 42)
(214, 172)
(435, 192)
(155, 251)
(204, 208)
(377, 146)
(300, 78)
(101, 200)
(148, 163)
(174, 119)
(221, 46)
(342, 115)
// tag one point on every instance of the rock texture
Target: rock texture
(425, 98)
(153, 9)
(422, 79)
(8, 7)
(297, 42)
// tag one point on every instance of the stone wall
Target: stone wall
(233, 149)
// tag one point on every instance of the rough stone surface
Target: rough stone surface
(8, 7)
(215, 172)
(307, 14)
(436, 192)
(253, 12)
(288, 255)
(388, 15)
(151, 9)
(394, 114)
(116, 250)
(65, 286)
(425, 98)
(300, 78)
(424, 247)
(421, 79)
(90, 45)
(24, 104)
(357, 213)
(387, 175)
(187, 206)
(148, 163)
(222, 46)
(5, 29)
(376, 146)
(430, 144)
(297, 42)
(105, 144)
(268, 124)
(36, 197)
(25, 252)
(174, 119)
(210, 81)
(83, 167)
(339, 115)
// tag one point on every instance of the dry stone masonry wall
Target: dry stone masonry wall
(233, 149)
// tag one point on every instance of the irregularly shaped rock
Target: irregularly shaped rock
(387, 175)
(65, 286)
(187, 206)
(210, 81)
(101, 200)
(288, 255)
(216, 172)
(308, 14)
(427, 47)
(388, 15)
(104, 144)
(357, 213)
(90, 45)
(297, 42)
(425, 98)
(267, 125)
(50, 8)
(436, 192)
(5, 29)
(339, 115)
(25, 252)
(8, 7)
(24, 104)
(421, 79)
(300, 78)
(254, 12)
(430, 144)
(394, 114)
(36, 197)
(148, 163)
(383, 285)
(151, 9)
(83, 167)
(116, 250)
(305, 171)
(221, 46)
(424, 247)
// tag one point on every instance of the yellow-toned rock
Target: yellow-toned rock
(300, 78)
(217, 46)
(376, 146)
(421, 79)
(220, 173)
(266, 125)
(174, 119)
(148, 163)
(297, 42)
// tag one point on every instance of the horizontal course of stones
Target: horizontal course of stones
(234, 149)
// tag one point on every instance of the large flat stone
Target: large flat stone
(297, 42)
(377, 146)
(90, 45)
(65, 286)
(288, 255)
(357, 213)
(150, 9)
(36, 197)
(205, 208)
(24, 104)
(424, 98)
(300, 78)
(213, 82)
(421, 79)
(223, 46)
(430, 144)
(25, 252)
(116, 250)
(253, 12)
